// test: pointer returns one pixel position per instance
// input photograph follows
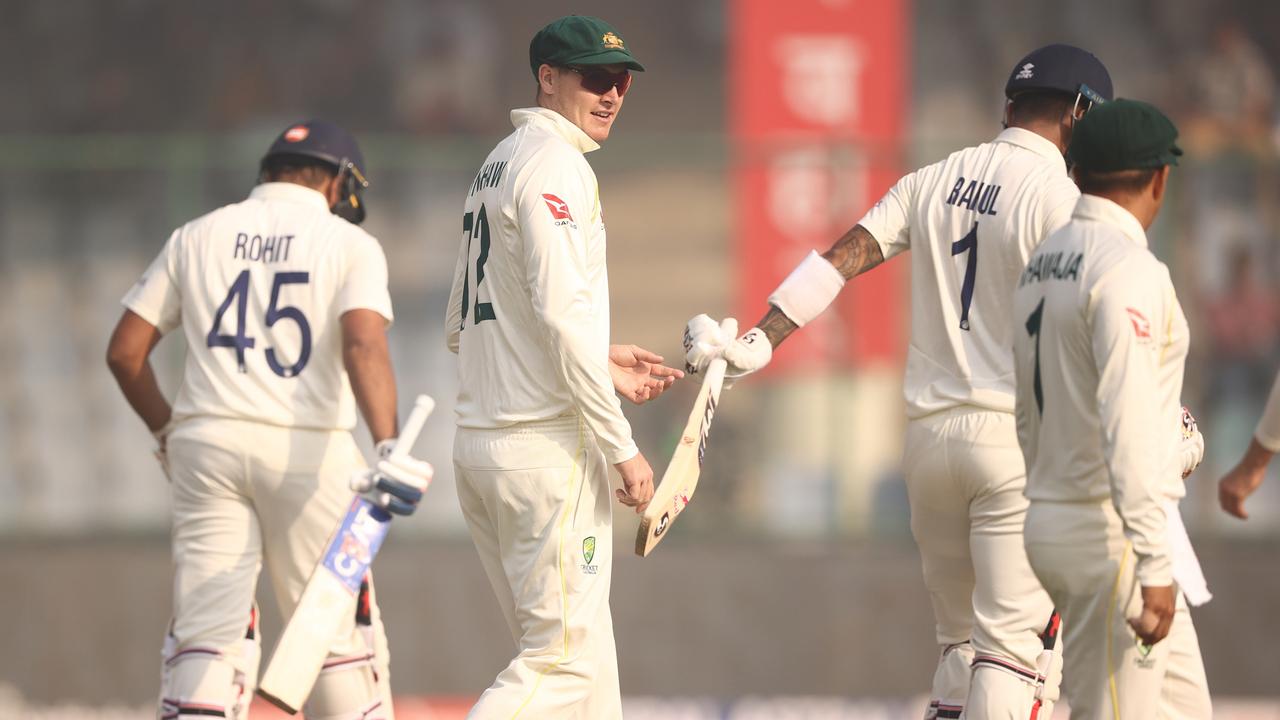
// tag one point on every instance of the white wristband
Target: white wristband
(808, 290)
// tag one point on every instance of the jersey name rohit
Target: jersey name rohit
(269, 249)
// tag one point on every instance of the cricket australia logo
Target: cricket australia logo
(1026, 73)
(589, 554)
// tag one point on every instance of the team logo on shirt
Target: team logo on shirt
(297, 133)
(559, 209)
(1141, 327)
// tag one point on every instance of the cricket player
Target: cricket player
(283, 303)
(972, 221)
(1246, 476)
(539, 422)
(1100, 348)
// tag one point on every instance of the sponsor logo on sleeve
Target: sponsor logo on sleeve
(1141, 326)
(559, 208)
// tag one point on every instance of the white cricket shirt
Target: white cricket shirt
(258, 288)
(971, 221)
(1100, 351)
(529, 311)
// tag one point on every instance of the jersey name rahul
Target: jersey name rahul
(971, 221)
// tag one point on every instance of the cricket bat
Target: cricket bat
(681, 477)
(330, 594)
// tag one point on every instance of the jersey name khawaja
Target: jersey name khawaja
(258, 288)
(971, 221)
(529, 311)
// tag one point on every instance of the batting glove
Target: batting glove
(747, 354)
(1191, 449)
(395, 484)
(703, 342)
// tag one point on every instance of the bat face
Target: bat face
(681, 477)
(330, 594)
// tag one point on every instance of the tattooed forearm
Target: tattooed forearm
(854, 253)
(776, 326)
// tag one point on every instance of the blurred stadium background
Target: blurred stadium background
(762, 128)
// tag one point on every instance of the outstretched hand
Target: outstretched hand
(639, 375)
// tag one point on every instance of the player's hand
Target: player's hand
(395, 484)
(1238, 485)
(637, 483)
(639, 375)
(703, 342)
(746, 355)
(161, 452)
(1191, 449)
(1153, 624)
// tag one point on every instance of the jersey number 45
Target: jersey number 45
(239, 296)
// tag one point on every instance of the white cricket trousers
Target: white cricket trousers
(965, 476)
(1080, 554)
(245, 493)
(536, 497)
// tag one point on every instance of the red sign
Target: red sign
(818, 106)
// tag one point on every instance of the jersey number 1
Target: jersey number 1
(1033, 329)
(968, 242)
(239, 294)
(477, 226)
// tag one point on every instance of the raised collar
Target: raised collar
(557, 123)
(1034, 142)
(1100, 209)
(289, 192)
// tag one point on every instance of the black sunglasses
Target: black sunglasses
(601, 81)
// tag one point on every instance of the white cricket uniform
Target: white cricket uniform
(1100, 351)
(972, 220)
(538, 420)
(261, 449)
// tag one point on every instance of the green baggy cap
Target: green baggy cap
(579, 40)
(1123, 135)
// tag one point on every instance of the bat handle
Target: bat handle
(422, 408)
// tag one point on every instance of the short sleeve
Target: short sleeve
(888, 220)
(365, 285)
(156, 297)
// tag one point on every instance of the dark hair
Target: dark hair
(301, 169)
(1115, 181)
(1040, 105)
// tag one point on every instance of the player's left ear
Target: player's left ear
(548, 79)
(333, 190)
(1159, 183)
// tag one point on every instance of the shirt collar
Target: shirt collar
(557, 123)
(1034, 142)
(1100, 209)
(290, 192)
